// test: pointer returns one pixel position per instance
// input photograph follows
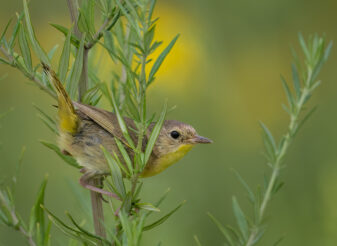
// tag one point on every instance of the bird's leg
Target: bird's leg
(84, 181)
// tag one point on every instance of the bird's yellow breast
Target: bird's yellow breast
(166, 160)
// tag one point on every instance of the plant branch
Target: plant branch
(296, 108)
(97, 208)
(73, 10)
(106, 26)
(96, 199)
(83, 84)
(277, 165)
(32, 77)
(16, 223)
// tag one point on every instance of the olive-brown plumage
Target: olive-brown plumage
(84, 129)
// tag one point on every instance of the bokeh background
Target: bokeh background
(223, 75)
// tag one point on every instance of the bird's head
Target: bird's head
(176, 135)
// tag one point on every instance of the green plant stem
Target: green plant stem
(97, 208)
(106, 26)
(278, 160)
(32, 77)
(83, 85)
(96, 199)
(16, 223)
(73, 9)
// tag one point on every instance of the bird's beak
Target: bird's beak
(200, 140)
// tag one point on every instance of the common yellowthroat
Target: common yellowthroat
(83, 129)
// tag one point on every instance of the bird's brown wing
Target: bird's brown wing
(108, 121)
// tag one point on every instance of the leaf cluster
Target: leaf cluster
(250, 230)
(37, 230)
(126, 32)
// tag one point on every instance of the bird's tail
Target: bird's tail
(68, 119)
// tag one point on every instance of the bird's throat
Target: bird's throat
(166, 160)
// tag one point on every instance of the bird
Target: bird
(84, 129)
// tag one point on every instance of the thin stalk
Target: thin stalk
(16, 223)
(32, 77)
(278, 160)
(97, 208)
(83, 85)
(106, 26)
(96, 199)
(73, 10)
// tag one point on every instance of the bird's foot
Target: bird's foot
(85, 182)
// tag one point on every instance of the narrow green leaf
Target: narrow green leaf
(120, 119)
(159, 202)
(246, 186)
(3, 217)
(67, 158)
(277, 187)
(259, 235)
(6, 216)
(223, 230)
(278, 241)
(132, 108)
(18, 168)
(148, 38)
(240, 218)
(52, 51)
(5, 30)
(161, 58)
(269, 137)
(116, 174)
(89, 234)
(306, 117)
(35, 44)
(235, 233)
(327, 51)
(88, 11)
(71, 232)
(197, 241)
(304, 46)
(323, 54)
(147, 206)
(37, 213)
(51, 127)
(152, 5)
(47, 120)
(43, 113)
(109, 43)
(4, 61)
(162, 219)
(47, 235)
(92, 95)
(15, 31)
(154, 46)
(127, 227)
(64, 60)
(74, 40)
(125, 155)
(154, 134)
(130, 18)
(76, 71)
(296, 80)
(121, 165)
(25, 49)
(288, 93)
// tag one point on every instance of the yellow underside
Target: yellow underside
(167, 160)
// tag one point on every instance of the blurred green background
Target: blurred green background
(223, 75)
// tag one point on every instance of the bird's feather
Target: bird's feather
(67, 116)
(107, 120)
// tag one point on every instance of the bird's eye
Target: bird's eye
(175, 134)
